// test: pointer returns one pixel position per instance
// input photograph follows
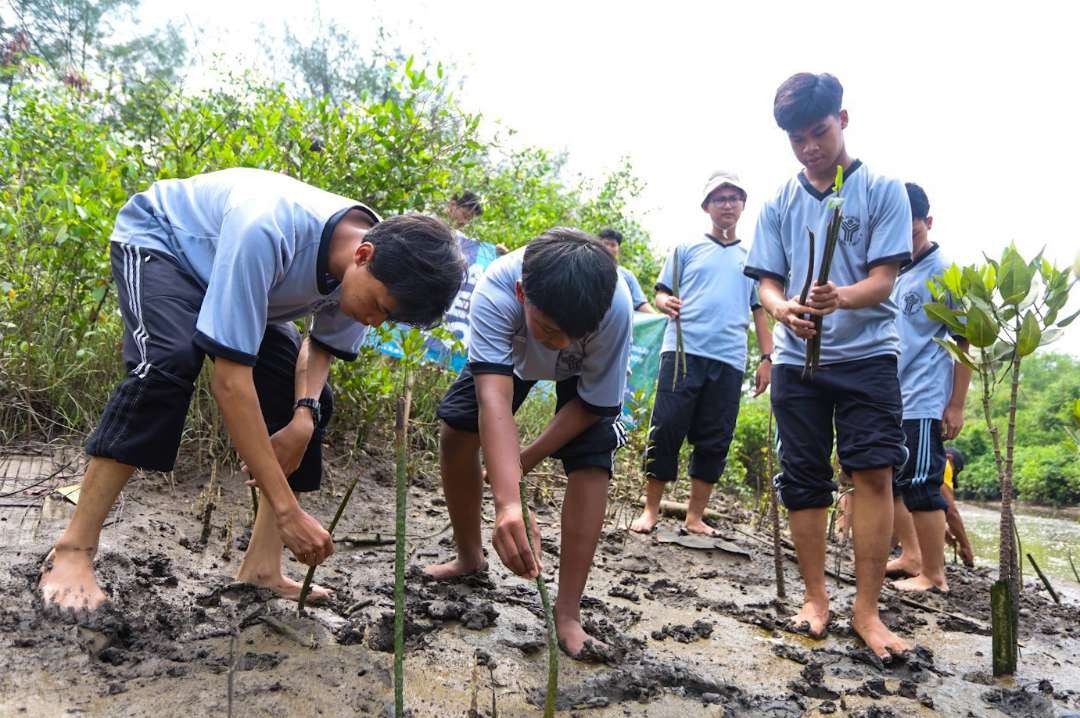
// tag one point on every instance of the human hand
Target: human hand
(512, 544)
(304, 536)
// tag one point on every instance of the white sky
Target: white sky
(977, 102)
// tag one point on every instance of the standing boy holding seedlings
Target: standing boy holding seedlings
(553, 310)
(934, 387)
(715, 301)
(856, 385)
(220, 264)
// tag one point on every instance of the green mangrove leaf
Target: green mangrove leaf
(1030, 335)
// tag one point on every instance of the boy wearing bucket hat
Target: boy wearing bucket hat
(714, 305)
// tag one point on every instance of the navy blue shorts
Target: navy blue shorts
(862, 398)
(594, 447)
(144, 418)
(921, 479)
(703, 408)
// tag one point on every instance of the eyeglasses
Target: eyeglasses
(726, 199)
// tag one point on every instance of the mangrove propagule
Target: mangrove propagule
(549, 619)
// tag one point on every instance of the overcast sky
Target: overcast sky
(977, 102)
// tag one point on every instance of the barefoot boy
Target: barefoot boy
(856, 385)
(934, 387)
(553, 310)
(219, 264)
(715, 303)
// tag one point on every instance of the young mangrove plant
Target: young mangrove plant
(1005, 309)
(401, 431)
(549, 618)
(832, 236)
(680, 352)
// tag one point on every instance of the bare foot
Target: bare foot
(879, 639)
(455, 569)
(572, 637)
(645, 523)
(921, 583)
(285, 587)
(902, 566)
(67, 579)
(701, 528)
(815, 615)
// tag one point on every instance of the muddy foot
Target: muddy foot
(286, 588)
(68, 582)
(902, 568)
(454, 569)
(644, 524)
(921, 583)
(812, 621)
(579, 645)
(700, 528)
(879, 639)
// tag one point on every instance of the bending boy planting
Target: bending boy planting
(553, 310)
(220, 264)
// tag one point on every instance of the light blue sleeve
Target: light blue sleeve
(890, 224)
(767, 257)
(607, 355)
(248, 259)
(666, 273)
(637, 297)
(338, 333)
(492, 320)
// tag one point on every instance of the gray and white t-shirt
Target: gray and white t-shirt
(637, 297)
(499, 342)
(258, 242)
(717, 299)
(876, 230)
(926, 368)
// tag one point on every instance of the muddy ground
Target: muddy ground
(696, 630)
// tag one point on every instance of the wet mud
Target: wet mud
(685, 630)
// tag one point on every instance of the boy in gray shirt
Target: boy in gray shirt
(220, 264)
(855, 387)
(553, 310)
(933, 387)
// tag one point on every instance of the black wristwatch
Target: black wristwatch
(766, 358)
(312, 404)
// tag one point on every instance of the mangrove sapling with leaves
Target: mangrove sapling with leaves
(1005, 309)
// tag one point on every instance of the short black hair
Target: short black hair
(569, 276)
(806, 98)
(613, 234)
(920, 203)
(418, 259)
(957, 457)
(470, 201)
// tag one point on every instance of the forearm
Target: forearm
(961, 380)
(763, 331)
(647, 308)
(871, 291)
(771, 296)
(235, 393)
(501, 445)
(569, 422)
(312, 370)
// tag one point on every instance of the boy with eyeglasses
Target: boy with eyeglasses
(855, 385)
(715, 303)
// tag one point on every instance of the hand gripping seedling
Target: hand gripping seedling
(832, 235)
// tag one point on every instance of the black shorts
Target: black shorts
(921, 479)
(863, 399)
(594, 447)
(144, 418)
(703, 407)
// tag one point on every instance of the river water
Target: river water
(1049, 538)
